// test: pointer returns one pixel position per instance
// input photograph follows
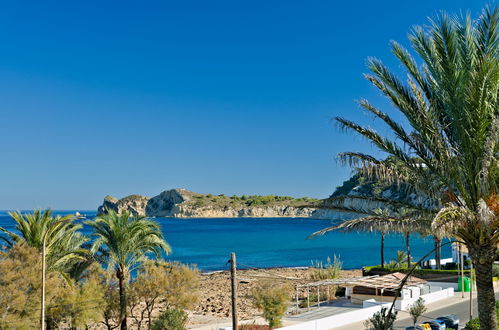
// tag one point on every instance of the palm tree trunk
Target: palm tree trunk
(483, 258)
(408, 247)
(437, 241)
(382, 252)
(121, 278)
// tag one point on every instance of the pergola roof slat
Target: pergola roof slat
(389, 281)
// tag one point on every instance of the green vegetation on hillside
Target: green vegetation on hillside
(239, 202)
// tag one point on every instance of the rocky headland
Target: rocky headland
(182, 203)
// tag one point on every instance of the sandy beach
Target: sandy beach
(214, 305)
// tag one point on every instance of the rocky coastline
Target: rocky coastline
(181, 203)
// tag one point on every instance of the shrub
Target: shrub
(417, 309)
(495, 271)
(173, 284)
(473, 324)
(171, 319)
(382, 320)
(330, 270)
(272, 300)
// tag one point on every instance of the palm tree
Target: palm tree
(63, 242)
(57, 238)
(382, 221)
(451, 105)
(126, 240)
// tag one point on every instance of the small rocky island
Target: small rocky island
(181, 203)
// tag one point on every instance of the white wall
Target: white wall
(364, 313)
(337, 320)
(428, 298)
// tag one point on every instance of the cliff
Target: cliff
(345, 195)
(181, 203)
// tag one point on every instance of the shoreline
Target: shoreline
(258, 269)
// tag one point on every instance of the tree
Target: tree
(174, 285)
(79, 303)
(111, 311)
(127, 241)
(417, 309)
(69, 303)
(273, 300)
(55, 237)
(63, 242)
(451, 105)
(380, 220)
(171, 319)
(382, 320)
(397, 199)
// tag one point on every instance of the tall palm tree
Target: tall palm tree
(451, 105)
(427, 195)
(126, 240)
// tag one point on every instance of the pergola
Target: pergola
(389, 282)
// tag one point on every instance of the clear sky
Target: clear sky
(233, 97)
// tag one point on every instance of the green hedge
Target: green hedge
(417, 271)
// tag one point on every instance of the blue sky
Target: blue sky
(230, 97)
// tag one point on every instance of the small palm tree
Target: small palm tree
(126, 241)
(400, 259)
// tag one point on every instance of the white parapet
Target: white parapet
(338, 319)
(428, 298)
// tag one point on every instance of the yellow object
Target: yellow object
(425, 326)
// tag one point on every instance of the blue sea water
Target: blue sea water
(269, 242)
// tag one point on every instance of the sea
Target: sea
(268, 242)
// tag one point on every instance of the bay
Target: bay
(268, 242)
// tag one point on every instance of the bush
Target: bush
(417, 309)
(171, 319)
(495, 271)
(173, 284)
(330, 270)
(382, 320)
(473, 324)
(272, 300)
